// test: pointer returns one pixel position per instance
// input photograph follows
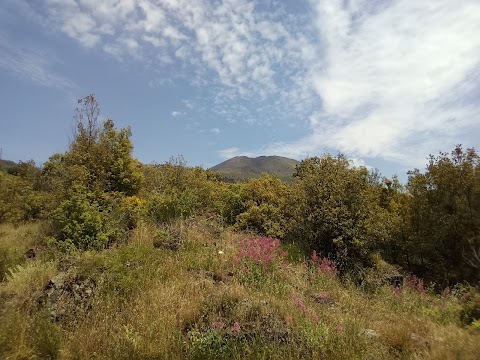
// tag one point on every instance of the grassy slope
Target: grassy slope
(243, 168)
(153, 303)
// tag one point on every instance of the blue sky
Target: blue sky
(384, 82)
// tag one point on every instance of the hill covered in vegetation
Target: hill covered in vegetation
(242, 168)
(104, 257)
(8, 165)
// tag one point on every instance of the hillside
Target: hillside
(8, 165)
(242, 168)
(216, 294)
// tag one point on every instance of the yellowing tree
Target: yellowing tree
(91, 179)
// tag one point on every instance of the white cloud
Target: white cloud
(244, 47)
(397, 80)
(230, 152)
(215, 131)
(176, 114)
(379, 79)
(395, 75)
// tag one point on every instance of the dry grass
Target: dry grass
(195, 302)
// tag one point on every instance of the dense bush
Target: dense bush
(334, 210)
(445, 217)
(82, 222)
(96, 191)
(263, 203)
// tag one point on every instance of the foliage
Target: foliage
(335, 210)
(82, 222)
(175, 191)
(150, 303)
(94, 182)
(470, 308)
(445, 217)
(263, 206)
(22, 197)
(232, 202)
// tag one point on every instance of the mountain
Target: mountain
(8, 165)
(242, 168)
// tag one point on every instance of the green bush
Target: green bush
(334, 209)
(163, 208)
(83, 223)
(263, 207)
(470, 309)
(8, 260)
(45, 336)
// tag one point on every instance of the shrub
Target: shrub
(263, 206)
(470, 312)
(8, 260)
(163, 208)
(83, 223)
(333, 207)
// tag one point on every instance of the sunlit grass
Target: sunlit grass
(195, 302)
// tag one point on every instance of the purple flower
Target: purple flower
(236, 328)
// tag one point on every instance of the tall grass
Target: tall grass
(217, 295)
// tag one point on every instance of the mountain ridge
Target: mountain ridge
(242, 168)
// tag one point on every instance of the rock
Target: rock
(370, 333)
(67, 295)
(57, 281)
(323, 298)
(31, 254)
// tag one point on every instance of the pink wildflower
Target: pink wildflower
(397, 291)
(416, 284)
(261, 250)
(236, 328)
(340, 328)
(323, 265)
(299, 302)
(421, 287)
(218, 325)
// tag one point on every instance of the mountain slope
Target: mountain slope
(243, 168)
(8, 165)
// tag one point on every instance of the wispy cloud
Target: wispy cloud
(176, 114)
(374, 79)
(250, 51)
(231, 152)
(215, 131)
(397, 80)
(30, 64)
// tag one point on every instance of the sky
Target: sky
(384, 82)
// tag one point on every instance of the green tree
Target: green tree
(445, 216)
(90, 180)
(23, 196)
(174, 190)
(335, 210)
(99, 158)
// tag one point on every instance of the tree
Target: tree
(445, 216)
(335, 210)
(91, 179)
(98, 158)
